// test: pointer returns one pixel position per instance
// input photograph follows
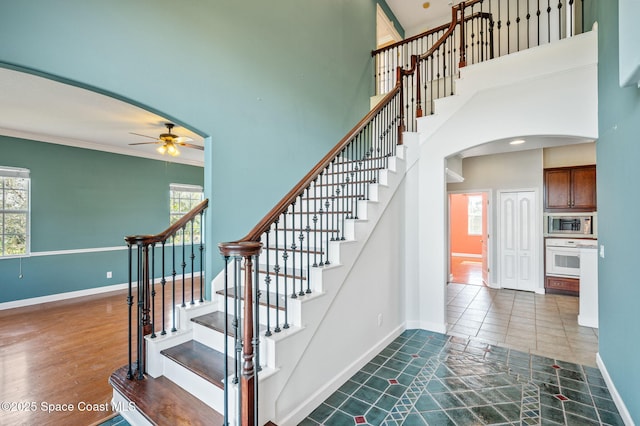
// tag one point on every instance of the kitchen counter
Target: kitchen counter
(588, 315)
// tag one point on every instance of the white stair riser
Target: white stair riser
(205, 391)
(215, 340)
(335, 216)
(313, 237)
(329, 188)
(293, 316)
(133, 417)
(295, 259)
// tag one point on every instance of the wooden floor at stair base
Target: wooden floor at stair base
(62, 353)
(163, 402)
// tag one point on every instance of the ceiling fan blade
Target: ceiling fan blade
(146, 143)
(144, 136)
(181, 139)
(190, 145)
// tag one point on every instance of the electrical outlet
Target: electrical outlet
(602, 251)
(109, 274)
(379, 320)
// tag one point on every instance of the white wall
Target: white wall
(514, 171)
(548, 90)
(361, 310)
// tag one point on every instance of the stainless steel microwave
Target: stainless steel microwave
(577, 225)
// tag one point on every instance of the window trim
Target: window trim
(470, 225)
(188, 188)
(22, 173)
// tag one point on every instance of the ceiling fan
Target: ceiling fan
(168, 142)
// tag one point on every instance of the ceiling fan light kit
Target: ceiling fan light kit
(168, 148)
(168, 142)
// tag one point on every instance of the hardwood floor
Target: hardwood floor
(56, 359)
(466, 270)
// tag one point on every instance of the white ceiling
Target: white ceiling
(531, 142)
(36, 108)
(415, 19)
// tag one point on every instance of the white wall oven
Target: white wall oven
(563, 256)
(571, 225)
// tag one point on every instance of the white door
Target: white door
(518, 240)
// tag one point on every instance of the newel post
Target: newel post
(463, 54)
(247, 250)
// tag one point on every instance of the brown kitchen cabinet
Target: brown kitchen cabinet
(568, 189)
(562, 285)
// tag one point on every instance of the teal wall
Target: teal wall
(273, 84)
(618, 153)
(84, 199)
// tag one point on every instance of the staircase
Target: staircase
(186, 368)
(283, 329)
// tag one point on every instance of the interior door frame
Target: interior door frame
(489, 230)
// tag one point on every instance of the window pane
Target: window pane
(15, 224)
(474, 215)
(15, 244)
(16, 199)
(183, 198)
(14, 211)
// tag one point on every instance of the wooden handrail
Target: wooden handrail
(433, 30)
(445, 36)
(265, 223)
(256, 233)
(410, 39)
(167, 233)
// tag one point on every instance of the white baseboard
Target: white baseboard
(617, 399)
(73, 294)
(322, 394)
(472, 255)
(62, 296)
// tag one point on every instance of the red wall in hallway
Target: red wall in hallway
(461, 241)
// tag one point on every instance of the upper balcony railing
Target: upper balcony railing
(479, 30)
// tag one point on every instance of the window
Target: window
(14, 211)
(475, 215)
(183, 198)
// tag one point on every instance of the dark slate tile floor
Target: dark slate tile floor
(426, 378)
(115, 421)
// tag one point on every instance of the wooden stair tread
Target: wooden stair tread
(291, 273)
(358, 196)
(215, 321)
(354, 182)
(304, 230)
(162, 402)
(201, 360)
(296, 250)
(263, 299)
(354, 171)
(363, 160)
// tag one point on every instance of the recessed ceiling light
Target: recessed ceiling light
(426, 5)
(517, 142)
